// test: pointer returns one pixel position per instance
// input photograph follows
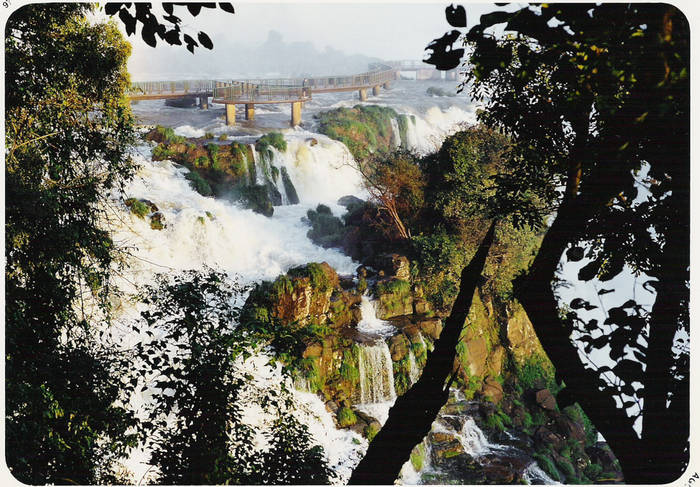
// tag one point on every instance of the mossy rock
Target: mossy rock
(157, 221)
(346, 417)
(257, 198)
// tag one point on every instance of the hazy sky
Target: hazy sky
(384, 30)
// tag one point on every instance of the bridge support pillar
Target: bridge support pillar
(230, 114)
(363, 94)
(386, 85)
(375, 90)
(250, 111)
(204, 102)
(296, 113)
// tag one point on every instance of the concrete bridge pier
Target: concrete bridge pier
(204, 102)
(375, 90)
(296, 113)
(250, 111)
(230, 114)
(363, 94)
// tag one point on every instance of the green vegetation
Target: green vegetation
(223, 137)
(208, 442)
(208, 135)
(395, 295)
(326, 230)
(65, 109)
(547, 465)
(138, 207)
(418, 457)
(272, 139)
(161, 152)
(537, 373)
(199, 184)
(361, 285)
(420, 353)
(348, 367)
(561, 73)
(157, 221)
(498, 420)
(289, 188)
(371, 431)
(315, 272)
(364, 129)
(346, 417)
(312, 373)
(257, 199)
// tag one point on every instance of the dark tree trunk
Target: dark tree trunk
(413, 413)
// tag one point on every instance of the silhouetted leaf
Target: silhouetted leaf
(494, 18)
(456, 16)
(578, 303)
(128, 20)
(191, 43)
(575, 254)
(605, 291)
(204, 40)
(444, 57)
(227, 7)
(590, 270)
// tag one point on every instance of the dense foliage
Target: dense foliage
(195, 363)
(68, 129)
(596, 102)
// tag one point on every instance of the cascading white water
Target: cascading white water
(535, 475)
(370, 323)
(396, 133)
(376, 373)
(473, 440)
(204, 231)
(413, 370)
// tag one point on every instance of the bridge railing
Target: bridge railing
(164, 87)
(267, 90)
(377, 76)
(242, 91)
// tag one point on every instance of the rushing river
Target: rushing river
(202, 231)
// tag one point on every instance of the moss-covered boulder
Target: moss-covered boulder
(364, 129)
(394, 298)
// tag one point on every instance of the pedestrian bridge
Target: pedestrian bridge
(294, 91)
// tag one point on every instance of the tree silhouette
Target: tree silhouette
(589, 95)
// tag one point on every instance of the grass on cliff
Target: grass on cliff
(272, 139)
(346, 417)
(314, 271)
(364, 129)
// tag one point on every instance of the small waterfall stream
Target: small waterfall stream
(462, 429)
(376, 373)
(396, 132)
(413, 371)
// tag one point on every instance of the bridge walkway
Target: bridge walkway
(294, 91)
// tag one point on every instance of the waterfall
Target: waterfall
(376, 373)
(412, 134)
(534, 475)
(262, 168)
(278, 161)
(413, 370)
(473, 439)
(396, 133)
(370, 323)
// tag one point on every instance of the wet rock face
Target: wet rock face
(546, 400)
(524, 343)
(394, 298)
(393, 265)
